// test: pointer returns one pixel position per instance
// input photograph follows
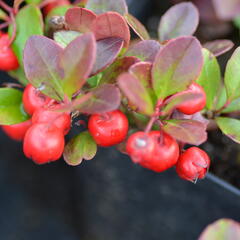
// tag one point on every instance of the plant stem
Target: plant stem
(12, 17)
(5, 6)
(222, 108)
(3, 25)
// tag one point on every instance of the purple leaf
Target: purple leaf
(41, 66)
(180, 20)
(219, 47)
(80, 19)
(77, 61)
(119, 66)
(81, 147)
(144, 50)
(107, 51)
(225, 229)
(176, 66)
(137, 27)
(111, 24)
(136, 93)
(102, 6)
(187, 131)
(103, 99)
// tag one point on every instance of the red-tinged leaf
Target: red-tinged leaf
(187, 131)
(103, 99)
(144, 50)
(219, 47)
(107, 51)
(111, 24)
(176, 66)
(119, 66)
(17, 3)
(177, 99)
(136, 93)
(77, 61)
(81, 147)
(226, 10)
(41, 66)
(102, 6)
(137, 27)
(223, 229)
(63, 38)
(80, 19)
(180, 20)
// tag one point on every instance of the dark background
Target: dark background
(108, 198)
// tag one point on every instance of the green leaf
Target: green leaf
(232, 73)
(34, 1)
(29, 22)
(223, 229)
(234, 106)
(63, 38)
(3, 15)
(230, 127)
(236, 21)
(19, 74)
(11, 109)
(176, 66)
(210, 78)
(79, 148)
(221, 97)
(94, 80)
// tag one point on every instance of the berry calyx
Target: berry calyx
(17, 131)
(43, 143)
(155, 150)
(195, 105)
(61, 120)
(57, 3)
(108, 129)
(33, 99)
(8, 60)
(193, 164)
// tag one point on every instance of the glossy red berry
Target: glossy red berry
(43, 143)
(108, 129)
(33, 99)
(193, 164)
(57, 3)
(195, 105)
(17, 131)
(8, 60)
(61, 120)
(155, 150)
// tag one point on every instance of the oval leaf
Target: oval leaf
(230, 127)
(187, 131)
(81, 147)
(231, 79)
(219, 47)
(210, 78)
(144, 50)
(137, 94)
(107, 51)
(176, 66)
(223, 229)
(80, 19)
(137, 26)
(234, 106)
(103, 99)
(41, 66)
(111, 24)
(102, 6)
(180, 20)
(77, 61)
(63, 38)
(11, 109)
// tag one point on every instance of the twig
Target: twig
(6, 7)
(12, 17)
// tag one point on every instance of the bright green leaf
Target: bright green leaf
(94, 80)
(210, 78)
(19, 74)
(3, 15)
(11, 109)
(63, 38)
(79, 148)
(234, 106)
(34, 1)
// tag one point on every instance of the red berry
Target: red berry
(8, 60)
(17, 131)
(108, 129)
(61, 120)
(43, 143)
(193, 164)
(155, 150)
(33, 99)
(194, 105)
(57, 3)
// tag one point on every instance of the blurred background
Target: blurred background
(110, 198)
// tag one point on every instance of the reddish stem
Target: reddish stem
(3, 25)
(46, 2)
(6, 7)
(14, 29)
(223, 107)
